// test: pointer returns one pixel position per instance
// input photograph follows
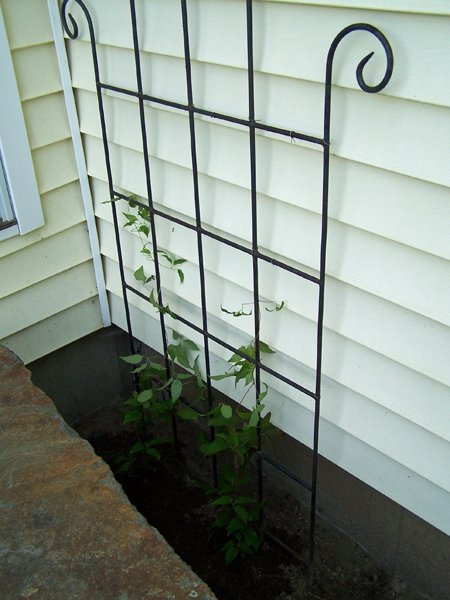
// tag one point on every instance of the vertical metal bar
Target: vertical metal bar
(323, 243)
(253, 191)
(73, 33)
(321, 302)
(137, 60)
(198, 220)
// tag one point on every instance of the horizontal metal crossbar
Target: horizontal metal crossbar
(295, 135)
(286, 471)
(229, 347)
(269, 259)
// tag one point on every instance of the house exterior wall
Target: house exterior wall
(386, 402)
(48, 295)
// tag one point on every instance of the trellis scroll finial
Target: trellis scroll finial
(371, 89)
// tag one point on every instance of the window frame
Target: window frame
(15, 150)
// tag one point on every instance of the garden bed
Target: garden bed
(170, 494)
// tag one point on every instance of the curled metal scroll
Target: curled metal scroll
(371, 89)
(72, 31)
(71, 28)
(360, 68)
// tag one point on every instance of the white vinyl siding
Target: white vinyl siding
(433, 7)
(386, 400)
(48, 296)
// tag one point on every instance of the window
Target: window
(20, 203)
(6, 213)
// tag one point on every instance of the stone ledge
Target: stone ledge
(67, 528)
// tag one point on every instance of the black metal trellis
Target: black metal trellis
(253, 126)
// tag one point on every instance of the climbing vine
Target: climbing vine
(161, 390)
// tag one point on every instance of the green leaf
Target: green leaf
(252, 538)
(131, 219)
(223, 376)
(187, 414)
(248, 350)
(156, 368)
(262, 395)
(154, 442)
(241, 512)
(221, 520)
(227, 411)
(125, 466)
(231, 554)
(254, 419)
(178, 261)
(137, 447)
(249, 376)
(254, 512)
(132, 416)
(242, 500)
(245, 372)
(265, 421)
(153, 452)
(218, 421)
(133, 359)
(216, 446)
(202, 439)
(190, 345)
(162, 309)
(243, 415)
(233, 526)
(263, 347)
(235, 358)
(175, 389)
(234, 437)
(180, 275)
(166, 256)
(132, 402)
(139, 369)
(181, 356)
(145, 229)
(139, 274)
(197, 373)
(222, 501)
(145, 396)
(228, 473)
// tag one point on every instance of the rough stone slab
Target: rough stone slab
(67, 530)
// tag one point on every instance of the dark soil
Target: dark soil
(170, 494)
